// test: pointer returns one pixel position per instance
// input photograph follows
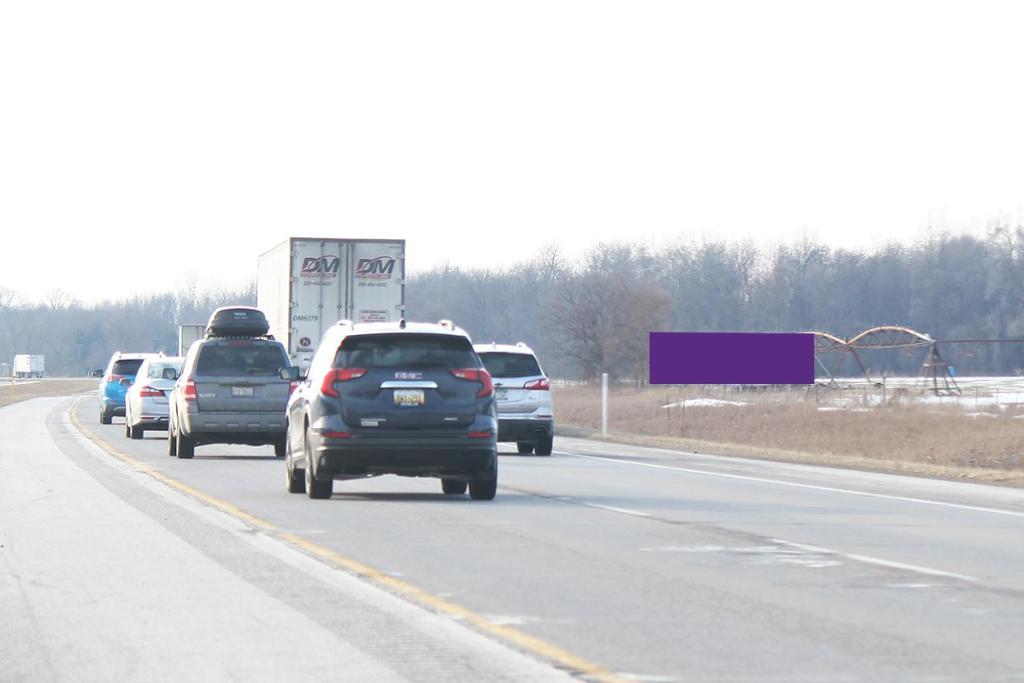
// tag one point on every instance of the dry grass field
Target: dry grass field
(904, 433)
(21, 391)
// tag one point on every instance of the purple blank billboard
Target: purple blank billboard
(731, 358)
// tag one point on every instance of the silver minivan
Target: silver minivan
(231, 390)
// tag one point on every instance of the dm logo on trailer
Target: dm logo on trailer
(380, 268)
(320, 267)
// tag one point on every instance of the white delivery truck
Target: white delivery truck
(306, 284)
(28, 365)
(188, 333)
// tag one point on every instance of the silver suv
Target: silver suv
(523, 395)
(231, 389)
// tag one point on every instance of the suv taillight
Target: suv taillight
(476, 375)
(190, 390)
(339, 375)
(114, 379)
(538, 385)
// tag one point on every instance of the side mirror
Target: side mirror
(290, 373)
(96, 373)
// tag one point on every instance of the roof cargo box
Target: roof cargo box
(237, 321)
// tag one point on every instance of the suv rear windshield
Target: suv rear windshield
(406, 351)
(241, 358)
(128, 366)
(510, 364)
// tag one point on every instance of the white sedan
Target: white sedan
(145, 402)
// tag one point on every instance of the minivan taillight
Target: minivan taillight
(538, 385)
(476, 375)
(339, 375)
(190, 390)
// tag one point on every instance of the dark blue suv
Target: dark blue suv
(393, 398)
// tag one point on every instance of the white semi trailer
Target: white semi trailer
(188, 333)
(306, 284)
(28, 365)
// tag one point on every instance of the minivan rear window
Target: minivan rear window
(236, 358)
(510, 364)
(128, 366)
(406, 351)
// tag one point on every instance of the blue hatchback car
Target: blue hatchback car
(119, 375)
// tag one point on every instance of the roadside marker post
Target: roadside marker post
(604, 404)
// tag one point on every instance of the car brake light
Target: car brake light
(538, 385)
(476, 375)
(114, 379)
(292, 386)
(150, 392)
(190, 390)
(480, 435)
(339, 375)
(336, 435)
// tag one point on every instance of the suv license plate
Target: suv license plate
(409, 397)
(241, 391)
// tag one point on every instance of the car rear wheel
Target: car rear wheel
(453, 487)
(186, 447)
(104, 417)
(544, 446)
(136, 432)
(127, 429)
(315, 488)
(279, 448)
(172, 441)
(296, 480)
(524, 447)
(483, 489)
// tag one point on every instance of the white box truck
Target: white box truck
(188, 333)
(28, 365)
(306, 284)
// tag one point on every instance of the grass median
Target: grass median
(898, 433)
(22, 391)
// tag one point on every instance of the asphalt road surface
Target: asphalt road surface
(602, 562)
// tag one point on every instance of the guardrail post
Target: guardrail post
(604, 404)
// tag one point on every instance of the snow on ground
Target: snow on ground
(704, 403)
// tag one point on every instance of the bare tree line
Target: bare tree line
(76, 338)
(592, 315)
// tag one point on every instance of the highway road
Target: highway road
(602, 562)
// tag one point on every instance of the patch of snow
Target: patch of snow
(704, 403)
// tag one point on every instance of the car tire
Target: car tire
(524, 447)
(544, 446)
(172, 441)
(296, 480)
(315, 488)
(186, 447)
(453, 487)
(105, 417)
(127, 429)
(280, 448)
(136, 432)
(483, 489)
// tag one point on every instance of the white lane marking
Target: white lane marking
(867, 559)
(816, 487)
(609, 508)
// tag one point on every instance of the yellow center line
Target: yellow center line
(523, 641)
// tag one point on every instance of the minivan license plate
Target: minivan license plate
(241, 391)
(409, 397)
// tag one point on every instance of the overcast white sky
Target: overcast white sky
(141, 142)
